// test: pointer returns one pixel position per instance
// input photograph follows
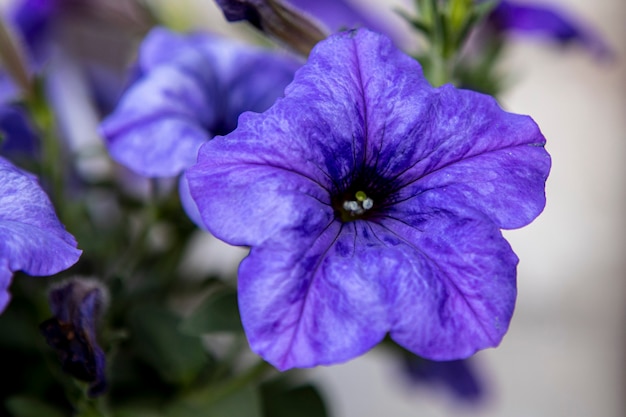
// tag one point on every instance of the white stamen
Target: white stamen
(351, 206)
(356, 208)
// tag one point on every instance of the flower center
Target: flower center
(354, 209)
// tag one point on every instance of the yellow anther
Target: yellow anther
(360, 196)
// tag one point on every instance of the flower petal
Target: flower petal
(459, 377)
(320, 303)
(244, 212)
(459, 295)
(5, 281)
(158, 125)
(319, 133)
(339, 14)
(190, 88)
(481, 158)
(34, 240)
(548, 22)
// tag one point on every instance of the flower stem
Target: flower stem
(52, 165)
(213, 394)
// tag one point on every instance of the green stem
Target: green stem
(133, 253)
(52, 163)
(441, 72)
(252, 374)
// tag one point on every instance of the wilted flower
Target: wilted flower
(372, 204)
(277, 19)
(77, 305)
(303, 23)
(33, 240)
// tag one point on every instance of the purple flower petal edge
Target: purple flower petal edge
(33, 239)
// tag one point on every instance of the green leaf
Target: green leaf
(137, 411)
(218, 313)
(416, 22)
(177, 357)
(19, 331)
(458, 13)
(482, 9)
(243, 402)
(302, 401)
(20, 406)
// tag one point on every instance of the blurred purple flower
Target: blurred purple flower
(458, 377)
(18, 135)
(77, 305)
(34, 20)
(33, 239)
(548, 22)
(190, 88)
(372, 203)
(338, 15)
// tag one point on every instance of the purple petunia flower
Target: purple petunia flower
(372, 204)
(18, 135)
(545, 21)
(32, 238)
(191, 88)
(34, 20)
(77, 306)
(458, 377)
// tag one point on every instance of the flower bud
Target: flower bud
(77, 305)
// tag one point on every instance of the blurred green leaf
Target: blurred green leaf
(483, 8)
(18, 330)
(177, 357)
(218, 313)
(20, 406)
(137, 411)
(302, 401)
(244, 402)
